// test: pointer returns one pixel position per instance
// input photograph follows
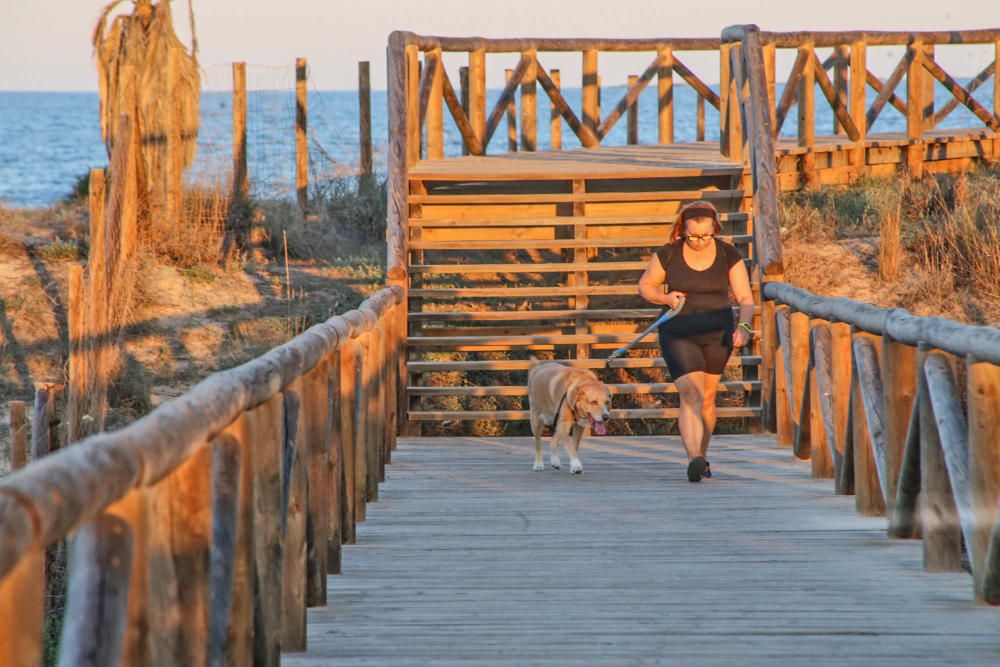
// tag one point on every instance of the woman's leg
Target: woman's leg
(708, 410)
(691, 387)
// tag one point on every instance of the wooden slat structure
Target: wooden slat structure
(504, 255)
(472, 557)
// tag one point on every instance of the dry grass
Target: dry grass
(931, 246)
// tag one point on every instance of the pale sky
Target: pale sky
(45, 44)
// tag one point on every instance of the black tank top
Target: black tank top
(707, 308)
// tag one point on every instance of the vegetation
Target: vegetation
(930, 245)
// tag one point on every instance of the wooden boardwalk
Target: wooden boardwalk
(469, 557)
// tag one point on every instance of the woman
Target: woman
(697, 342)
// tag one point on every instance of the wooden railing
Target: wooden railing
(868, 394)
(873, 397)
(843, 79)
(200, 533)
(428, 89)
(845, 91)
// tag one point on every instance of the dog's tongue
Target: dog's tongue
(599, 428)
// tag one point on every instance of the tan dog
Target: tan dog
(568, 400)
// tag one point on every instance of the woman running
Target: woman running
(697, 342)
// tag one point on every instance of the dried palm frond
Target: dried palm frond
(145, 71)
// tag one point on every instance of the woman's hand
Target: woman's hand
(673, 299)
(740, 337)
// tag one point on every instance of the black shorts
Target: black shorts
(707, 352)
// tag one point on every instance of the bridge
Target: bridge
(204, 532)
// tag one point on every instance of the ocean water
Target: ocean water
(49, 140)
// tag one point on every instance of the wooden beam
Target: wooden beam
(506, 97)
(983, 395)
(887, 92)
(582, 131)
(665, 96)
(529, 102)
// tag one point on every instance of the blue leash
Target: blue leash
(659, 320)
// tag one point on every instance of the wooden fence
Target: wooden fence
(814, 157)
(897, 408)
(870, 395)
(200, 533)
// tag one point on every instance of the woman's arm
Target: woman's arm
(739, 282)
(651, 285)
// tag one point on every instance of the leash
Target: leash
(659, 320)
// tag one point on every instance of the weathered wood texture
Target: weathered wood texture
(210, 540)
(513, 563)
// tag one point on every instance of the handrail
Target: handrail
(880, 37)
(939, 332)
(898, 410)
(89, 485)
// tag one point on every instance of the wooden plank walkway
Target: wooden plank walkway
(469, 557)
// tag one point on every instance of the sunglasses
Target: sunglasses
(698, 237)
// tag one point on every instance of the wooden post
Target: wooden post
(404, 99)
(239, 639)
(294, 523)
(477, 94)
(345, 402)
(226, 556)
(735, 134)
(359, 405)
(858, 102)
(996, 94)
(463, 84)
(18, 436)
(938, 515)
(928, 91)
(22, 597)
(699, 132)
(633, 114)
(983, 395)
(800, 370)
(241, 184)
(665, 96)
(529, 112)
(914, 109)
(511, 118)
(590, 95)
(782, 371)
(868, 499)
(725, 97)
(365, 123)
(769, 67)
(555, 118)
(335, 492)
(820, 377)
(842, 372)
(301, 135)
(265, 423)
(97, 596)
(841, 59)
(41, 441)
(768, 349)
(435, 107)
(78, 345)
(807, 117)
(899, 377)
(183, 507)
(315, 385)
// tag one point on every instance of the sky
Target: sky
(45, 44)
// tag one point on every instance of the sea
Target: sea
(49, 140)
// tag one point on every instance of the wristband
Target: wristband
(746, 326)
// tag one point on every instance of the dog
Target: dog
(567, 399)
